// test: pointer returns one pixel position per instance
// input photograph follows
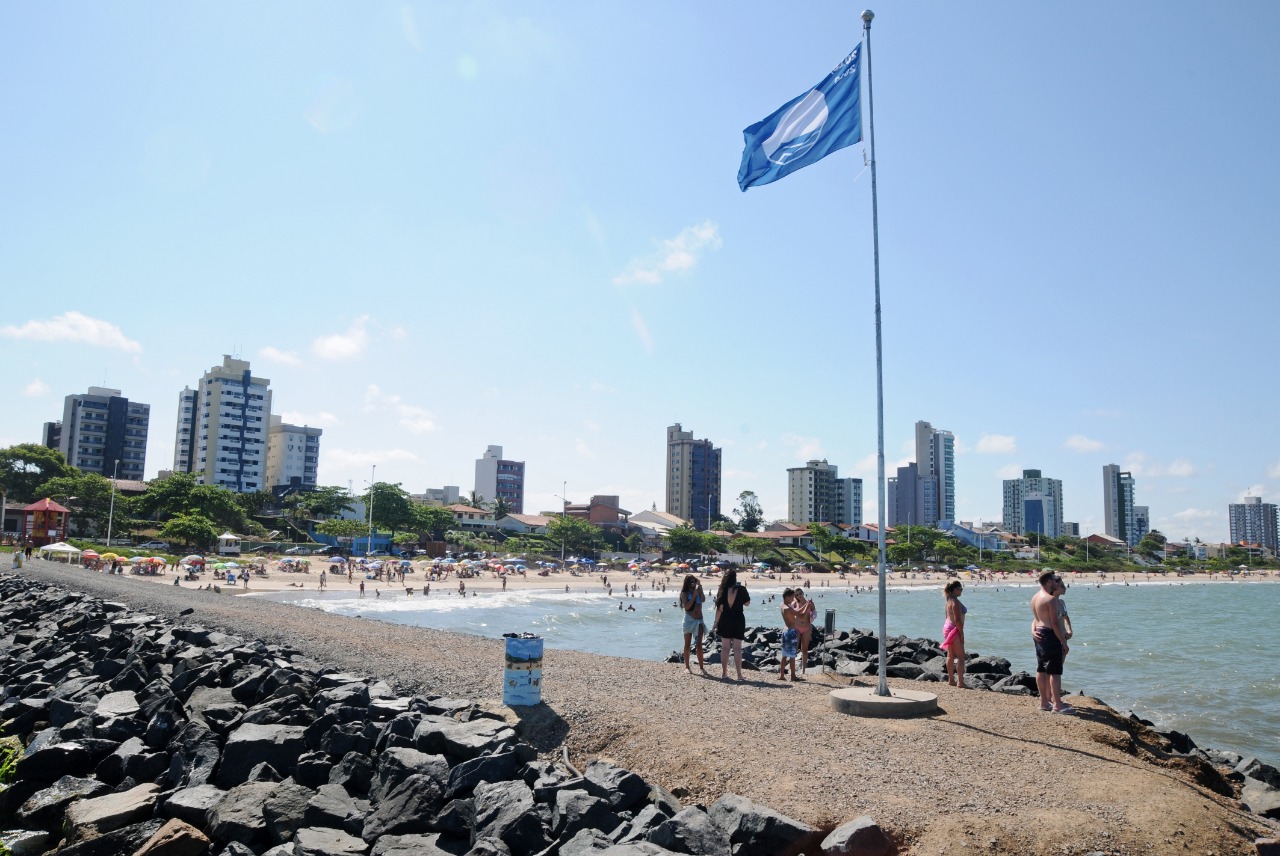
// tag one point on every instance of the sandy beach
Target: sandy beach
(279, 579)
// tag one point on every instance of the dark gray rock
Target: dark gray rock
(235, 848)
(93, 817)
(986, 666)
(756, 830)
(125, 840)
(462, 741)
(861, 836)
(396, 765)
(313, 769)
(577, 810)
(622, 789)
(489, 847)
(44, 809)
(27, 842)
(192, 805)
(334, 808)
(457, 818)
(195, 756)
(50, 762)
(504, 810)
(406, 810)
(122, 703)
(278, 745)
(284, 812)
(1260, 798)
(691, 831)
(354, 772)
(263, 772)
(318, 841)
(112, 768)
(488, 768)
(409, 845)
(238, 816)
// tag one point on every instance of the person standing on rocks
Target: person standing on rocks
(805, 612)
(730, 621)
(953, 633)
(691, 600)
(1051, 645)
(790, 638)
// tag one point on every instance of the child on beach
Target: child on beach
(790, 638)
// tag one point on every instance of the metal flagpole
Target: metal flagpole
(882, 689)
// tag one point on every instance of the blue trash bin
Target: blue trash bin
(522, 675)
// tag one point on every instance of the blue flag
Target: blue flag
(805, 129)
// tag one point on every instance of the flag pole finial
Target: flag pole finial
(867, 15)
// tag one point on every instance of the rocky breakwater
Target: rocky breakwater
(130, 734)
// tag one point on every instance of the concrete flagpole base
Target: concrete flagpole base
(899, 704)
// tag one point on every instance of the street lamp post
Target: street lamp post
(564, 512)
(373, 479)
(111, 511)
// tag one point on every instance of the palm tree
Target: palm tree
(475, 500)
(501, 508)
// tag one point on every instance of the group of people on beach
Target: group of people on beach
(1050, 630)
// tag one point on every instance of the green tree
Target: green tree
(190, 530)
(577, 535)
(475, 500)
(634, 543)
(180, 494)
(406, 539)
(501, 508)
(27, 466)
(749, 512)
(434, 520)
(711, 543)
(326, 501)
(683, 540)
(824, 539)
(253, 502)
(724, 524)
(393, 510)
(342, 529)
(749, 547)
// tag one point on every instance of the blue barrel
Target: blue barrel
(522, 675)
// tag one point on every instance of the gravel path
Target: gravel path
(989, 773)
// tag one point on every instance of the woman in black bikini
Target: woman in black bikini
(730, 621)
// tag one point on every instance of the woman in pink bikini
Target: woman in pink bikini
(953, 633)
(805, 610)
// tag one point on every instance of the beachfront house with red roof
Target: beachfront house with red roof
(471, 519)
(525, 524)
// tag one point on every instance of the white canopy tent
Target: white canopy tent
(61, 548)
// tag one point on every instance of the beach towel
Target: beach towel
(949, 633)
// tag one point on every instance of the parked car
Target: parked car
(376, 553)
(121, 542)
(298, 551)
(327, 550)
(157, 546)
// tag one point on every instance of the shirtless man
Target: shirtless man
(1051, 644)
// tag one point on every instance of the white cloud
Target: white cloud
(343, 346)
(804, 448)
(342, 458)
(409, 28)
(1082, 444)
(323, 419)
(275, 355)
(674, 255)
(1009, 471)
(1182, 468)
(414, 419)
(35, 389)
(584, 451)
(997, 444)
(591, 425)
(642, 330)
(74, 327)
(1193, 523)
(1251, 490)
(1273, 471)
(1138, 464)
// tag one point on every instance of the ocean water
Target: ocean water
(1194, 657)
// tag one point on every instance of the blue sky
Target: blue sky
(436, 227)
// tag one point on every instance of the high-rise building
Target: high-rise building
(222, 428)
(102, 432)
(1033, 504)
(816, 494)
(924, 491)
(1141, 522)
(1118, 512)
(293, 454)
(497, 478)
(693, 477)
(1254, 522)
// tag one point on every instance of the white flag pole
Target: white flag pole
(882, 688)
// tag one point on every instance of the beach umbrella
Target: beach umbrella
(109, 557)
(90, 554)
(230, 565)
(133, 560)
(159, 560)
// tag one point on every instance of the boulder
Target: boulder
(27, 842)
(354, 772)
(396, 765)
(285, 811)
(45, 764)
(44, 808)
(487, 768)
(175, 838)
(409, 845)
(462, 741)
(622, 789)
(195, 756)
(406, 810)
(238, 816)
(333, 807)
(112, 705)
(578, 810)
(127, 839)
(756, 830)
(278, 745)
(1260, 798)
(93, 817)
(861, 836)
(192, 804)
(505, 810)
(986, 666)
(318, 841)
(691, 831)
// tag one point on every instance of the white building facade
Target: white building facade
(1033, 505)
(498, 478)
(816, 494)
(293, 454)
(1254, 522)
(222, 428)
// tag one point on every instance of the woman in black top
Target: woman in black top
(730, 623)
